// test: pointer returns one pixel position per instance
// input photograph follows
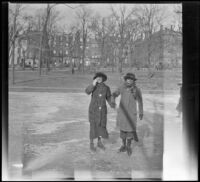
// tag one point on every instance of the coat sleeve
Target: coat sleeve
(109, 97)
(140, 101)
(89, 89)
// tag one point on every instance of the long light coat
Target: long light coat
(127, 111)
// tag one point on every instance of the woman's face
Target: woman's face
(99, 79)
(129, 81)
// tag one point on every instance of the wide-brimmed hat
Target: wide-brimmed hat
(100, 74)
(130, 76)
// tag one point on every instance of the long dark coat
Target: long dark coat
(98, 109)
(127, 111)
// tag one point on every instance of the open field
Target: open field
(162, 80)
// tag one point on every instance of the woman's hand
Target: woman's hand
(140, 116)
(94, 82)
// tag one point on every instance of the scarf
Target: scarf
(132, 88)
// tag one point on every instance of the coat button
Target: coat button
(100, 95)
(99, 108)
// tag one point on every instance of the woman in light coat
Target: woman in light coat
(127, 111)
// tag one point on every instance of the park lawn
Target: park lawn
(162, 80)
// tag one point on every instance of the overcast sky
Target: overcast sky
(68, 14)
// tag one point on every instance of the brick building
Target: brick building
(64, 48)
(61, 48)
(162, 48)
(93, 54)
(28, 46)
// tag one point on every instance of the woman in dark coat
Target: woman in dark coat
(98, 109)
(127, 111)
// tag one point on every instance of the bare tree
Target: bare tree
(83, 15)
(123, 32)
(98, 29)
(103, 29)
(150, 17)
(15, 11)
(77, 48)
(178, 16)
(45, 37)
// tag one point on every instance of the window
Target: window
(54, 51)
(66, 52)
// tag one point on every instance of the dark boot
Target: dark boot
(123, 147)
(100, 144)
(129, 150)
(135, 137)
(92, 148)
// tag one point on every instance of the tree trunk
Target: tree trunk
(23, 62)
(72, 66)
(40, 56)
(112, 64)
(83, 61)
(120, 66)
(13, 64)
(44, 33)
(34, 62)
(120, 61)
(129, 56)
(13, 51)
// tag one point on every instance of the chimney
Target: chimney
(171, 27)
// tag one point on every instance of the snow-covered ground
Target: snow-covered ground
(49, 137)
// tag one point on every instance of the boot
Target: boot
(129, 150)
(136, 137)
(92, 148)
(100, 144)
(123, 147)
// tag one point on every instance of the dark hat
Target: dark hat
(130, 76)
(100, 74)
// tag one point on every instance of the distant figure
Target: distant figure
(100, 93)
(179, 105)
(127, 112)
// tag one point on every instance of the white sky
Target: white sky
(68, 14)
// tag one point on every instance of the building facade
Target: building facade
(64, 49)
(162, 48)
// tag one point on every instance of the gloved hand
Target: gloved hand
(140, 116)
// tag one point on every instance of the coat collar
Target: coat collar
(132, 86)
(101, 84)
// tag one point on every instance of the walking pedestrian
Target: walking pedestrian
(179, 105)
(100, 93)
(127, 111)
